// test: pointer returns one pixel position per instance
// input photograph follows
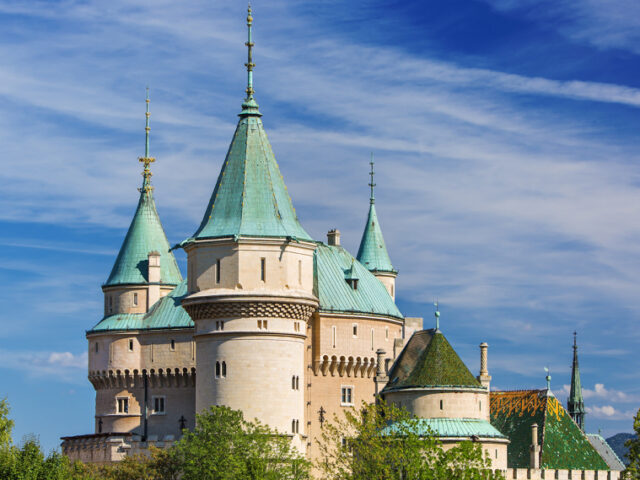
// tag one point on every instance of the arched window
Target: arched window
(293, 426)
(97, 347)
(480, 405)
(297, 383)
(224, 369)
(441, 405)
(217, 369)
(173, 345)
(131, 345)
(293, 382)
(135, 299)
(297, 426)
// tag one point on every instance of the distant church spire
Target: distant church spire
(146, 160)
(249, 106)
(575, 402)
(372, 198)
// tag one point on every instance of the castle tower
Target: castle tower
(373, 252)
(145, 269)
(250, 284)
(575, 402)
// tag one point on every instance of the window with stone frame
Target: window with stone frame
(123, 404)
(159, 404)
(346, 395)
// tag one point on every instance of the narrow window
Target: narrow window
(299, 272)
(97, 347)
(131, 345)
(293, 383)
(441, 405)
(293, 426)
(260, 324)
(496, 453)
(224, 369)
(264, 324)
(110, 304)
(346, 396)
(386, 333)
(297, 426)
(297, 383)
(158, 405)
(123, 405)
(218, 271)
(135, 299)
(372, 339)
(333, 333)
(355, 330)
(263, 268)
(173, 345)
(392, 290)
(480, 405)
(217, 369)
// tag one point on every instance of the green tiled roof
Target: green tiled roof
(446, 427)
(428, 360)
(332, 265)
(564, 445)
(165, 313)
(145, 235)
(373, 252)
(250, 197)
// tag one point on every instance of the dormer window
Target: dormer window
(353, 283)
(135, 299)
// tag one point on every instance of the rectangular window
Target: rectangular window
(372, 339)
(263, 269)
(131, 345)
(355, 330)
(135, 299)
(158, 405)
(218, 271)
(123, 405)
(172, 345)
(299, 272)
(97, 347)
(386, 333)
(334, 335)
(346, 396)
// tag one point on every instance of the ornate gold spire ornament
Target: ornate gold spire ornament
(146, 160)
(372, 198)
(249, 63)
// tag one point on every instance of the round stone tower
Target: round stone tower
(250, 283)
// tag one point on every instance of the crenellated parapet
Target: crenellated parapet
(220, 306)
(363, 367)
(127, 379)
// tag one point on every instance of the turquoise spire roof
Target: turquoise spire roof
(373, 252)
(575, 402)
(145, 235)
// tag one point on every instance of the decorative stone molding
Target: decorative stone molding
(345, 366)
(261, 309)
(161, 377)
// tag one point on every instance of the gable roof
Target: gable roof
(606, 452)
(250, 197)
(145, 235)
(428, 360)
(333, 266)
(564, 445)
(165, 313)
(373, 251)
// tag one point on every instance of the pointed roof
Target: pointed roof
(373, 251)
(145, 235)
(564, 445)
(575, 402)
(429, 360)
(250, 197)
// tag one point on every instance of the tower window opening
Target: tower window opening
(333, 336)
(219, 325)
(496, 453)
(297, 382)
(386, 333)
(135, 299)
(173, 345)
(263, 268)
(130, 345)
(346, 396)
(372, 339)
(355, 330)
(299, 272)
(218, 271)
(297, 426)
(392, 290)
(110, 304)
(217, 369)
(480, 405)
(96, 347)
(293, 426)
(158, 405)
(441, 405)
(123, 405)
(224, 369)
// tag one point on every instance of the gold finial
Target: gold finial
(249, 43)
(146, 160)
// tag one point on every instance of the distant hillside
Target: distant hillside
(617, 444)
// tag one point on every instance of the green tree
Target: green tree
(382, 442)
(224, 446)
(6, 424)
(633, 455)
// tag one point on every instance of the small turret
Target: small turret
(484, 378)
(373, 252)
(575, 402)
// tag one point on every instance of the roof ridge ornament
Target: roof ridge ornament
(437, 315)
(372, 198)
(249, 106)
(146, 160)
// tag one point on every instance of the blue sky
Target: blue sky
(505, 134)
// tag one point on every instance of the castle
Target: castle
(288, 329)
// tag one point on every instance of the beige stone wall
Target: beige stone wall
(442, 403)
(389, 282)
(496, 451)
(121, 299)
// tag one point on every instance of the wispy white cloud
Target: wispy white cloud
(62, 366)
(601, 392)
(609, 412)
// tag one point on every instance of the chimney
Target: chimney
(381, 377)
(534, 463)
(333, 237)
(153, 276)
(484, 378)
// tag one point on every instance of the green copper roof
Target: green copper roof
(564, 445)
(145, 235)
(446, 427)
(165, 313)
(373, 252)
(428, 360)
(605, 451)
(575, 402)
(333, 266)
(250, 197)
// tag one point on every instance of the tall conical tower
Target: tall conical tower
(250, 282)
(145, 268)
(373, 252)
(575, 402)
